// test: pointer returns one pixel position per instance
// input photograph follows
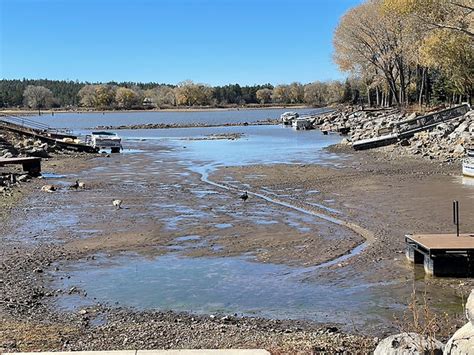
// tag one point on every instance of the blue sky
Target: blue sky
(211, 41)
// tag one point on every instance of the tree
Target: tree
(88, 96)
(369, 38)
(264, 96)
(453, 55)
(38, 97)
(451, 15)
(315, 94)
(161, 96)
(188, 93)
(105, 96)
(281, 94)
(126, 98)
(296, 93)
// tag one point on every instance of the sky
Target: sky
(167, 41)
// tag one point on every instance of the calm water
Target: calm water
(89, 120)
(230, 285)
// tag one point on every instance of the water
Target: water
(85, 120)
(228, 285)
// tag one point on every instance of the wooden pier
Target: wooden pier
(442, 254)
(31, 165)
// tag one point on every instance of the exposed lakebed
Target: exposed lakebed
(183, 244)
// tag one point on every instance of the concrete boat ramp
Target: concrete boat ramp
(160, 352)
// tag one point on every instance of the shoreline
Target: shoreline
(192, 109)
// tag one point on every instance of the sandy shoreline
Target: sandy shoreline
(368, 177)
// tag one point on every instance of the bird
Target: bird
(244, 196)
(117, 203)
(74, 186)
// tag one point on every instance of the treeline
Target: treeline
(40, 94)
(409, 51)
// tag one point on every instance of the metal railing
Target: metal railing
(30, 124)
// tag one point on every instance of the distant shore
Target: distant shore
(177, 109)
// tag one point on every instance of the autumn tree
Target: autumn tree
(315, 94)
(451, 15)
(38, 97)
(295, 93)
(189, 93)
(281, 94)
(88, 95)
(264, 96)
(126, 98)
(368, 36)
(161, 96)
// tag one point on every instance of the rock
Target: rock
(470, 308)
(408, 343)
(462, 342)
(48, 188)
(24, 178)
(459, 149)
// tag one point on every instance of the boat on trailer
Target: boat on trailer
(106, 140)
(468, 163)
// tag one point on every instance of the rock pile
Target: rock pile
(447, 141)
(461, 343)
(7, 150)
(33, 148)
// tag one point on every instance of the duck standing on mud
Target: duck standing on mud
(244, 196)
(74, 186)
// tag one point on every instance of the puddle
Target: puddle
(52, 176)
(223, 225)
(227, 285)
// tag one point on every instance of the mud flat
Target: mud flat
(83, 275)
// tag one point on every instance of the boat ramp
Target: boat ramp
(408, 128)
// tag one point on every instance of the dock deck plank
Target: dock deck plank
(444, 241)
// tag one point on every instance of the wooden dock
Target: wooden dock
(442, 254)
(31, 165)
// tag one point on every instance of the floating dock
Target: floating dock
(442, 254)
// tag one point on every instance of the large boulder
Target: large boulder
(470, 308)
(409, 343)
(462, 342)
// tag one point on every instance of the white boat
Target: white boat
(468, 163)
(288, 117)
(301, 123)
(106, 140)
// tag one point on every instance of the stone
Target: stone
(459, 149)
(409, 343)
(470, 308)
(24, 178)
(462, 342)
